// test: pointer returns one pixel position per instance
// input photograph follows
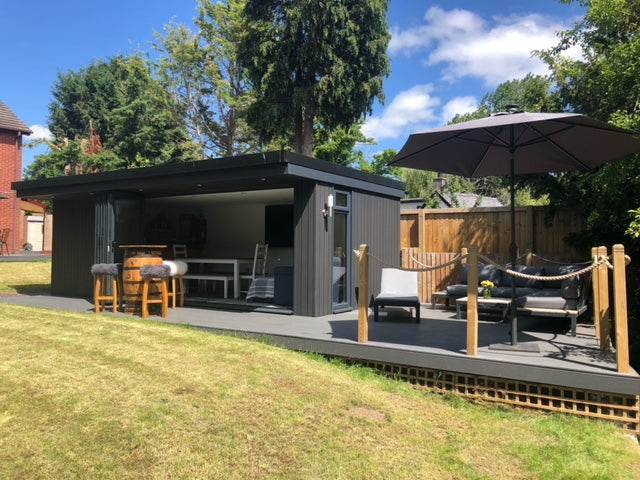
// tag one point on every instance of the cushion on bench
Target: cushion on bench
(506, 279)
(556, 271)
(485, 272)
(550, 298)
(505, 292)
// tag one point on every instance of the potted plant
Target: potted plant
(487, 288)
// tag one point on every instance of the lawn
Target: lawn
(25, 277)
(106, 397)
(99, 396)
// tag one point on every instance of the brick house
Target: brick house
(11, 216)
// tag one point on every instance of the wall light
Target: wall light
(328, 207)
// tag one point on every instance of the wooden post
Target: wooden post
(603, 308)
(620, 308)
(421, 233)
(472, 302)
(363, 295)
(594, 293)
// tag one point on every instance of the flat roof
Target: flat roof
(257, 171)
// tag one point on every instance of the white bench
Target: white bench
(209, 277)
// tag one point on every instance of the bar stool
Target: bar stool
(102, 273)
(178, 269)
(152, 273)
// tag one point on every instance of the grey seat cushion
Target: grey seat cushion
(556, 271)
(506, 279)
(155, 271)
(460, 290)
(505, 292)
(105, 269)
(485, 272)
(396, 300)
(547, 298)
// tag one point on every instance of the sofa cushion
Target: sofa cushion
(547, 298)
(505, 292)
(505, 279)
(460, 290)
(570, 288)
(485, 272)
(556, 271)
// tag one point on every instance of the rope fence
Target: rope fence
(592, 265)
(616, 262)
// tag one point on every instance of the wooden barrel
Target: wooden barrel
(136, 256)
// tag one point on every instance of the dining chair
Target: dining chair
(4, 240)
(259, 262)
(179, 250)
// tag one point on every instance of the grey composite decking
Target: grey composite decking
(438, 342)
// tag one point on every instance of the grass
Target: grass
(99, 396)
(25, 277)
(102, 397)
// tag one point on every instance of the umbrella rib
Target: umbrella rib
(447, 139)
(549, 139)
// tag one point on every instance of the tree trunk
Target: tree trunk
(307, 133)
(303, 139)
(297, 134)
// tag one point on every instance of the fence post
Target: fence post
(472, 302)
(604, 310)
(620, 309)
(363, 294)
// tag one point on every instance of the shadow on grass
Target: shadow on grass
(28, 289)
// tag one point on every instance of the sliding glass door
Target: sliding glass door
(341, 259)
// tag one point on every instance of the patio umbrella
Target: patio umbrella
(516, 142)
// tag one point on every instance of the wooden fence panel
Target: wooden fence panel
(451, 229)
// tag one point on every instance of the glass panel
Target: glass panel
(341, 199)
(339, 256)
(127, 225)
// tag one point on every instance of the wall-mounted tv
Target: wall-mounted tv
(278, 228)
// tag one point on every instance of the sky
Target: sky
(445, 56)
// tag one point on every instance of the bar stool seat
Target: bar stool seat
(154, 273)
(178, 269)
(103, 272)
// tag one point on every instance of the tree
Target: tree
(202, 72)
(313, 63)
(380, 164)
(604, 84)
(119, 101)
(337, 145)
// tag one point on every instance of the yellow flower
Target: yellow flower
(487, 284)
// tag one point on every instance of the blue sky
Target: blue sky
(444, 55)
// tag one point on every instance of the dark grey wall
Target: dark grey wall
(376, 222)
(73, 245)
(312, 252)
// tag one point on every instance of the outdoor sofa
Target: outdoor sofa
(551, 298)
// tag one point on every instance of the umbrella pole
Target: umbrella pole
(513, 250)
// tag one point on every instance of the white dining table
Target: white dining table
(235, 262)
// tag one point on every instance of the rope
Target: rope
(566, 276)
(595, 263)
(547, 260)
(427, 268)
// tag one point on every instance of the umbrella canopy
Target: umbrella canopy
(517, 142)
(536, 142)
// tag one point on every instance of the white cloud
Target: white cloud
(463, 44)
(412, 107)
(458, 105)
(40, 133)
